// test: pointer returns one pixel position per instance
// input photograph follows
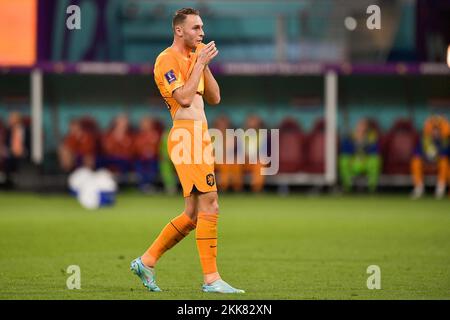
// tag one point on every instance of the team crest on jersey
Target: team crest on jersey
(170, 76)
(210, 179)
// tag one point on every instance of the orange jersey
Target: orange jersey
(171, 72)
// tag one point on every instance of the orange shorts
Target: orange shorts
(191, 151)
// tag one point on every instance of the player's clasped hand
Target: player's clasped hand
(208, 53)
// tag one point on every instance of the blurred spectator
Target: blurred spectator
(117, 145)
(17, 143)
(78, 147)
(360, 156)
(2, 145)
(314, 149)
(397, 147)
(431, 154)
(252, 147)
(168, 176)
(146, 148)
(228, 174)
(292, 145)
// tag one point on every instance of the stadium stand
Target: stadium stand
(315, 149)
(398, 147)
(292, 145)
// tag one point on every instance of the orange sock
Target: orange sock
(417, 171)
(206, 235)
(173, 232)
(442, 170)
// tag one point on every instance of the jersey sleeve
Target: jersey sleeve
(169, 73)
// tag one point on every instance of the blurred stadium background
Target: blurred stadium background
(292, 65)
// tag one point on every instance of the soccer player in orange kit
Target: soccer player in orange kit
(184, 79)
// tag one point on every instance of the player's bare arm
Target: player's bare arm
(212, 90)
(185, 94)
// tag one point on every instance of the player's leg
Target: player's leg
(237, 176)
(180, 226)
(448, 179)
(373, 166)
(442, 177)
(206, 234)
(206, 238)
(257, 179)
(171, 234)
(417, 176)
(66, 158)
(175, 231)
(345, 171)
(224, 176)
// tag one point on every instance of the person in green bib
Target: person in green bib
(360, 155)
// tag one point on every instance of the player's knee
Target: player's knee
(213, 203)
(215, 206)
(212, 207)
(210, 204)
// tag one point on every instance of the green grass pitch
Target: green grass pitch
(294, 247)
